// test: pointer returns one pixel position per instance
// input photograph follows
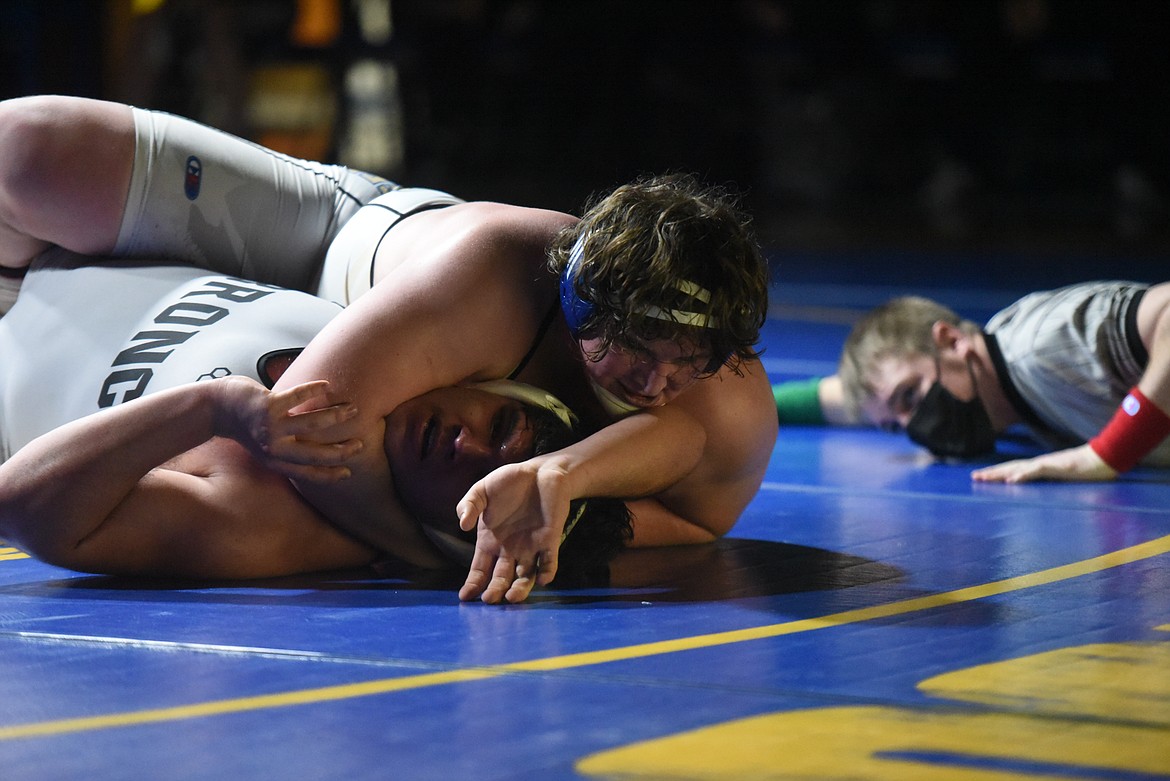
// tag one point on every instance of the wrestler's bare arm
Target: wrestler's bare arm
(738, 418)
(1082, 463)
(695, 464)
(521, 509)
(1154, 327)
(451, 313)
(831, 396)
(209, 510)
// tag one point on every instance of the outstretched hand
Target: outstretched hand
(295, 432)
(520, 511)
(1078, 464)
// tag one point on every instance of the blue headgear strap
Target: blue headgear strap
(577, 310)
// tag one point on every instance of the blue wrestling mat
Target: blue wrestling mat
(873, 616)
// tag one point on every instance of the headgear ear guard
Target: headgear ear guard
(576, 309)
(529, 394)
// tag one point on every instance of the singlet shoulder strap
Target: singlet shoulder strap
(540, 332)
(1014, 397)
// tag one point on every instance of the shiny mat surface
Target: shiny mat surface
(874, 615)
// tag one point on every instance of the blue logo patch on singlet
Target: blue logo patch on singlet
(193, 178)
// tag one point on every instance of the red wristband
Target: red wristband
(1137, 427)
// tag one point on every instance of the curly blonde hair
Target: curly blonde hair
(644, 248)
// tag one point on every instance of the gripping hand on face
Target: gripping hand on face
(294, 431)
(1078, 464)
(520, 511)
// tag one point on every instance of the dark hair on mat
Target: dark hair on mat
(604, 530)
(605, 525)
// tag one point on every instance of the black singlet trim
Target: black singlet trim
(1009, 389)
(426, 207)
(540, 332)
(1133, 337)
(264, 364)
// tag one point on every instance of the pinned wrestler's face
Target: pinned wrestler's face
(440, 443)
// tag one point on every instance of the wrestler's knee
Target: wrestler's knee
(64, 162)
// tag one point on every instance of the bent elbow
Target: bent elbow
(16, 521)
(34, 529)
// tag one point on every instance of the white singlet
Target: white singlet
(82, 337)
(349, 264)
(207, 197)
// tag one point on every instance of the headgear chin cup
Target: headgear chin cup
(576, 309)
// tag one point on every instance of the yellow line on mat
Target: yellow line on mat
(1117, 558)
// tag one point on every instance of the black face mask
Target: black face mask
(949, 427)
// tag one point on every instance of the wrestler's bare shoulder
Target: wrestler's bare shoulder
(737, 410)
(1153, 309)
(479, 229)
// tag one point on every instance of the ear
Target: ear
(950, 338)
(944, 335)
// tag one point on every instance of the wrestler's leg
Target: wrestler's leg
(65, 168)
(210, 198)
(102, 178)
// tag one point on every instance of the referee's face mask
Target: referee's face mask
(949, 427)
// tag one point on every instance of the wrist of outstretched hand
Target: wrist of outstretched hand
(1135, 430)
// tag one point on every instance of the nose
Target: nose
(651, 383)
(658, 376)
(471, 445)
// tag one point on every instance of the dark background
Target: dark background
(882, 139)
